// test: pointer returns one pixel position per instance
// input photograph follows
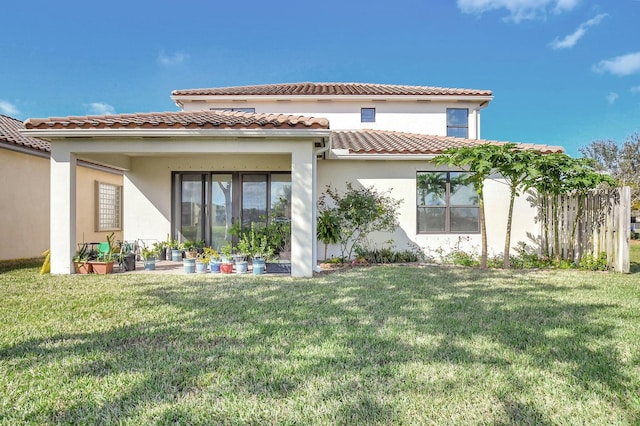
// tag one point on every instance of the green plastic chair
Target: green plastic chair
(103, 248)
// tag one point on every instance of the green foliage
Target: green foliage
(255, 244)
(335, 260)
(149, 252)
(328, 227)
(172, 244)
(591, 263)
(385, 255)
(515, 165)
(621, 162)
(208, 254)
(83, 254)
(226, 250)
(481, 161)
(635, 235)
(359, 212)
(462, 258)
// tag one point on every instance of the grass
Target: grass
(378, 345)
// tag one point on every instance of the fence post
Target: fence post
(624, 231)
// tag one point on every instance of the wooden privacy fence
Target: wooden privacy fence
(588, 224)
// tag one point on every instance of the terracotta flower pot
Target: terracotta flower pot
(102, 268)
(83, 267)
(226, 268)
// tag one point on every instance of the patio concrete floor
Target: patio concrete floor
(170, 267)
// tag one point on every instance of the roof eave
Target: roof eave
(137, 133)
(180, 100)
(345, 154)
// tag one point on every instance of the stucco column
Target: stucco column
(302, 210)
(63, 208)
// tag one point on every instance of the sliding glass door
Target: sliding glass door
(207, 204)
(221, 209)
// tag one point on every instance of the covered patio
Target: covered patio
(152, 149)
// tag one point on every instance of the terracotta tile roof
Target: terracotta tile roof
(181, 120)
(10, 134)
(331, 89)
(387, 142)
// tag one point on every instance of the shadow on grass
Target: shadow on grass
(17, 264)
(339, 348)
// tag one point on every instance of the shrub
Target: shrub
(462, 258)
(386, 255)
(359, 211)
(591, 263)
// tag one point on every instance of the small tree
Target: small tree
(359, 212)
(480, 161)
(515, 165)
(328, 228)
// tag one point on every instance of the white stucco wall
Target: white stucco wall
(411, 117)
(400, 176)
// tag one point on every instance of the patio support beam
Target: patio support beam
(63, 208)
(302, 210)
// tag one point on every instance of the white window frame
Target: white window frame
(108, 207)
(367, 119)
(453, 127)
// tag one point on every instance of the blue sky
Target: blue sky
(563, 72)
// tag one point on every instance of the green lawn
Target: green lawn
(379, 345)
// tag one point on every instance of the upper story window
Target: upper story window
(367, 115)
(108, 207)
(446, 203)
(458, 122)
(234, 109)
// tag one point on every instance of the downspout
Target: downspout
(314, 190)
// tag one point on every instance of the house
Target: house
(235, 153)
(25, 170)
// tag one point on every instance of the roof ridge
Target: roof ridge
(330, 89)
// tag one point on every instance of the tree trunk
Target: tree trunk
(556, 228)
(507, 242)
(545, 221)
(483, 231)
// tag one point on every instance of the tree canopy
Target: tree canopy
(622, 162)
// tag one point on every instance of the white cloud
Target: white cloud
(571, 39)
(620, 65)
(612, 98)
(8, 108)
(172, 59)
(100, 108)
(635, 89)
(519, 10)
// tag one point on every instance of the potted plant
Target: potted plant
(160, 247)
(204, 259)
(106, 256)
(190, 249)
(127, 256)
(81, 260)
(174, 253)
(258, 247)
(240, 258)
(226, 267)
(278, 233)
(214, 259)
(149, 258)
